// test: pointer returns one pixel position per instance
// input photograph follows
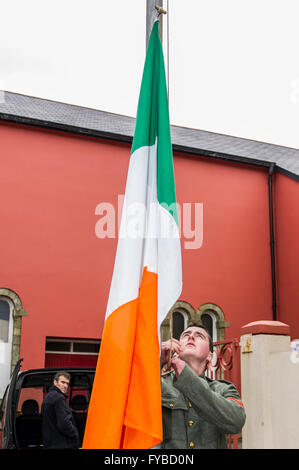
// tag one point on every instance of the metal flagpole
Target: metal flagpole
(153, 9)
(151, 16)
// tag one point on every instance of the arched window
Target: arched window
(179, 323)
(4, 320)
(6, 335)
(212, 316)
(177, 320)
(11, 314)
(208, 319)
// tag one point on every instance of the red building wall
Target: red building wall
(233, 267)
(287, 251)
(50, 185)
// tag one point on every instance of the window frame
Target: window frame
(72, 342)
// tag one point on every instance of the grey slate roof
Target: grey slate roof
(54, 115)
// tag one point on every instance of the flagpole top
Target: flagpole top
(153, 13)
(160, 10)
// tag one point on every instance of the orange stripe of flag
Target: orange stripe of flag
(104, 425)
(144, 412)
(125, 407)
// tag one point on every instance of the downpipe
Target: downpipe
(272, 241)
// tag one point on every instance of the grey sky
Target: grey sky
(234, 65)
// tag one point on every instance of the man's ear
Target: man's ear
(209, 357)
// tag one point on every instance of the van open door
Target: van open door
(8, 411)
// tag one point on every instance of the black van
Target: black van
(20, 411)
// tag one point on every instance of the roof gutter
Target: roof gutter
(127, 138)
(100, 134)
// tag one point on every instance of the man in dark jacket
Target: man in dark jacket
(59, 428)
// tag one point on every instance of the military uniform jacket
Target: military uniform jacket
(198, 412)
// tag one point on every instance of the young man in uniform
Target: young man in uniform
(197, 412)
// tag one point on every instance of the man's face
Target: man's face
(194, 342)
(62, 383)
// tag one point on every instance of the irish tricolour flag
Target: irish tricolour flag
(125, 407)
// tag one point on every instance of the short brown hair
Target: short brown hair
(60, 374)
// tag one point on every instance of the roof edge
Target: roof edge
(90, 122)
(55, 126)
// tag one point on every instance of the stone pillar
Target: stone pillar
(270, 384)
(16, 342)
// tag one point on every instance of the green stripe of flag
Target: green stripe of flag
(153, 120)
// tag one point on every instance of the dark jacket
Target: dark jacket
(198, 412)
(59, 428)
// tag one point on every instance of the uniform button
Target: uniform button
(190, 404)
(171, 405)
(191, 444)
(190, 423)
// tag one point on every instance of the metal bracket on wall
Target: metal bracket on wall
(246, 343)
